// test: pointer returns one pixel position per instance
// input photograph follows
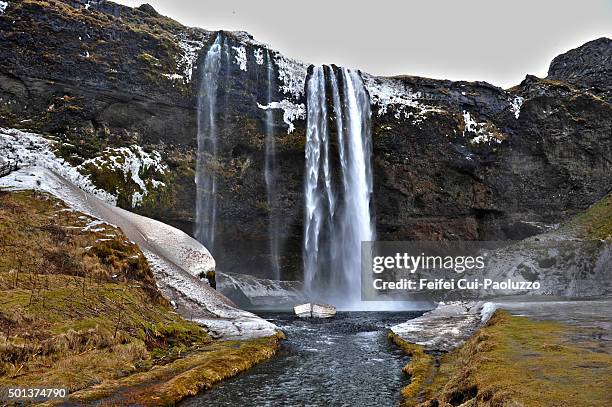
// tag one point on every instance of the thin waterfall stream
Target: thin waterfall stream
(206, 182)
(271, 174)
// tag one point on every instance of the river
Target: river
(344, 361)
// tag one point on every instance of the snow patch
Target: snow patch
(133, 162)
(291, 111)
(190, 48)
(25, 149)
(482, 130)
(386, 93)
(173, 77)
(291, 74)
(515, 106)
(258, 54)
(241, 57)
(92, 226)
(3, 6)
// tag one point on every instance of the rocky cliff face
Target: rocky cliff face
(452, 160)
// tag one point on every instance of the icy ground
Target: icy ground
(174, 256)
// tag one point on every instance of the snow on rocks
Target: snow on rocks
(3, 6)
(241, 57)
(443, 328)
(515, 106)
(291, 111)
(258, 54)
(133, 162)
(389, 93)
(483, 132)
(190, 48)
(291, 75)
(26, 149)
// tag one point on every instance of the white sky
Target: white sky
(491, 40)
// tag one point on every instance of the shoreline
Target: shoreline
(504, 358)
(186, 377)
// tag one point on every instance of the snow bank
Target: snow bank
(26, 149)
(175, 257)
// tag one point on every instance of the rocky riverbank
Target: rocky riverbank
(481, 354)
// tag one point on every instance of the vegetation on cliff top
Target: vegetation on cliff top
(596, 222)
(515, 361)
(79, 307)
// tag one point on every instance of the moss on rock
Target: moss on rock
(515, 361)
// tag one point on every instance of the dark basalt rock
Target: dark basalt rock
(94, 77)
(588, 66)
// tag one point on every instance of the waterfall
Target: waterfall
(338, 185)
(206, 182)
(271, 174)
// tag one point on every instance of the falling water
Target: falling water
(206, 183)
(338, 185)
(271, 175)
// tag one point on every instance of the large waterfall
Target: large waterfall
(271, 174)
(338, 184)
(206, 182)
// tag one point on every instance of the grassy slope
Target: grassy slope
(595, 222)
(79, 307)
(514, 361)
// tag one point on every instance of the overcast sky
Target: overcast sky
(495, 41)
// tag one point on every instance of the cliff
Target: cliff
(452, 160)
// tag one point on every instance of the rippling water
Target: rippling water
(345, 361)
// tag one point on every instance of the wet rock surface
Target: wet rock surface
(443, 328)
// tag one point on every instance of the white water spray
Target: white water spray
(337, 190)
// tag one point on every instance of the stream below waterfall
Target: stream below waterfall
(345, 361)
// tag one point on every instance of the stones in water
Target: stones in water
(338, 184)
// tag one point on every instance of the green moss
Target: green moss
(419, 368)
(517, 361)
(595, 222)
(81, 303)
